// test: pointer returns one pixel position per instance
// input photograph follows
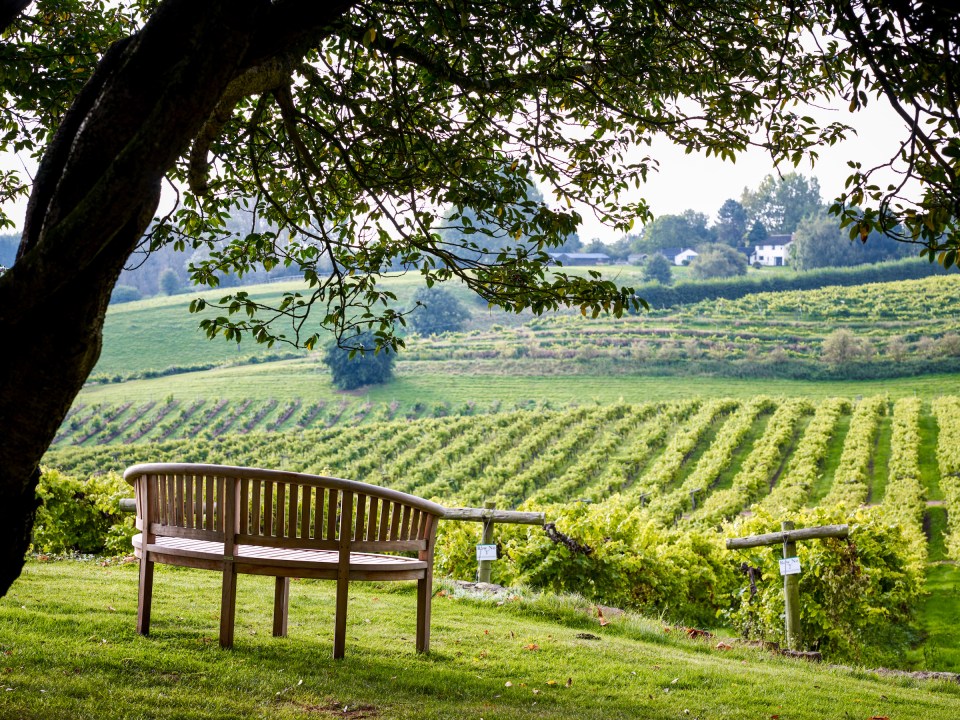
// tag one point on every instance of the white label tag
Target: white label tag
(486, 552)
(790, 566)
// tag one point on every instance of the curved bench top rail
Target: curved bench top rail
(283, 476)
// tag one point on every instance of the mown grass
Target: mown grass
(938, 617)
(69, 650)
(308, 379)
(929, 471)
(830, 462)
(881, 460)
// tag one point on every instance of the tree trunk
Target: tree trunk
(95, 192)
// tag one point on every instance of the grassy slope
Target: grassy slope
(306, 379)
(69, 650)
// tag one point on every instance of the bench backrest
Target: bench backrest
(278, 509)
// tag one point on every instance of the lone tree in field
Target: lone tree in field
(342, 125)
(658, 269)
(353, 368)
(716, 261)
(437, 311)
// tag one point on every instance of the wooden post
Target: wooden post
(791, 591)
(791, 583)
(485, 566)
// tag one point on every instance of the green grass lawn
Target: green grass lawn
(938, 616)
(416, 382)
(68, 650)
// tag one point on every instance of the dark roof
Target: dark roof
(579, 256)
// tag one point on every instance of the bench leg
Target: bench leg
(145, 595)
(228, 605)
(424, 596)
(281, 601)
(340, 623)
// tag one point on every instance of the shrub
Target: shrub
(856, 594)
(368, 367)
(169, 282)
(658, 270)
(717, 261)
(82, 515)
(124, 293)
(439, 312)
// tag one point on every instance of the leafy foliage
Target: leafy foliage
(353, 368)
(717, 261)
(780, 203)
(857, 595)
(437, 311)
(658, 269)
(82, 515)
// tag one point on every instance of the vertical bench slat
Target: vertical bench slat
(361, 501)
(305, 512)
(404, 524)
(371, 533)
(178, 516)
(160, 490)
(414, 525)
(162, 499)
(292, 513)
(384, 520)
(280, 511)
(209, 523)
(171, 500)
(198, 501)
(332, 499)
(255, 530)
(188, 501)
(244, 505)
(268, 508)
(221, 504)
(395, 521)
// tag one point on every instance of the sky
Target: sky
(703, 184)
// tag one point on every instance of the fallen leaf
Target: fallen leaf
(569, 682)
(551, 682)
(603, 621)
(535, 691)
(724, 646)
(508, 684)
(531, 646)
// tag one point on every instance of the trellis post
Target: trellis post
(790, 566)
(485, 566)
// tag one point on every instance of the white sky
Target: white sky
(703, 184)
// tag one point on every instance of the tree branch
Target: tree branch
(10, 10)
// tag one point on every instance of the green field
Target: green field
(69, 650)
(679, 411)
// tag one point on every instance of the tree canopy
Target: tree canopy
(342, 127)
(780, 203)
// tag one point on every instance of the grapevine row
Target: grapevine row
(851, 482)
(804, 468)
(759, 468)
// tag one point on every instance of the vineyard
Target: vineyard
(899, 322)
(894, 329)
(691, 462)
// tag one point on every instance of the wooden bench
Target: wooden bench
(282, 524)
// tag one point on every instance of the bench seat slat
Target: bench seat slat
(289, 557)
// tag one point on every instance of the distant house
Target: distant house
(773, 253)
(637, 258)
(571, 258)
(677, 255)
